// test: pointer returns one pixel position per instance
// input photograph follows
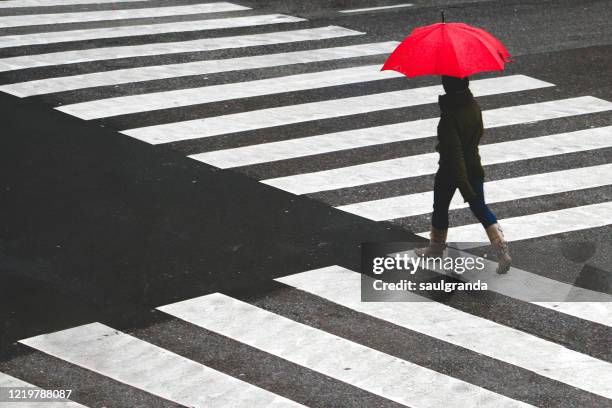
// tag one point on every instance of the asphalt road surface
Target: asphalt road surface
(184, 187)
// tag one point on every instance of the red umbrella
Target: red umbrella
(453, 49)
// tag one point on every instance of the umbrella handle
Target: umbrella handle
(442, 13)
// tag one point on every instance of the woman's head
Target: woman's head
(453, 84)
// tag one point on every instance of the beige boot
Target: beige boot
(496, 236)
(437, 244)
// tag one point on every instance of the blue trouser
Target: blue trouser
(444, 189)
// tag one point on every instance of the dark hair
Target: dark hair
(453, 84)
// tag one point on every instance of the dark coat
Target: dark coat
(459, 132)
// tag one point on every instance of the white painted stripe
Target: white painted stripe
(344, 360)
(495, 191)
(149, 29)
(207, 94)
(48, 3)
(483, 336)
(320, 144)
(7, 382)
(166, 48)
(108, 15)
(539, 224)
(423, 164)
(352, 139)
(123, 76)
(285, 115)
(124, 358)
(377, 8)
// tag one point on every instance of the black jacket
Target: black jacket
(459, 132)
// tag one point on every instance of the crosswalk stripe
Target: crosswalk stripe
(108, 15)
(149, 29)
(8, 382)
(539, 224)
(166, 48)
(153, 369)
(284, 115)
(48, 3)
(545, 358)
(376, 8)
(122, 76)
(495, 191)
(423, 164)
(183, 97)
(351, 139)
(371, 370)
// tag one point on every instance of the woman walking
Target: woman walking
(459, 132)
(455, 51)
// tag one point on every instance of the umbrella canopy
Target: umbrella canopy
(453, 49)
